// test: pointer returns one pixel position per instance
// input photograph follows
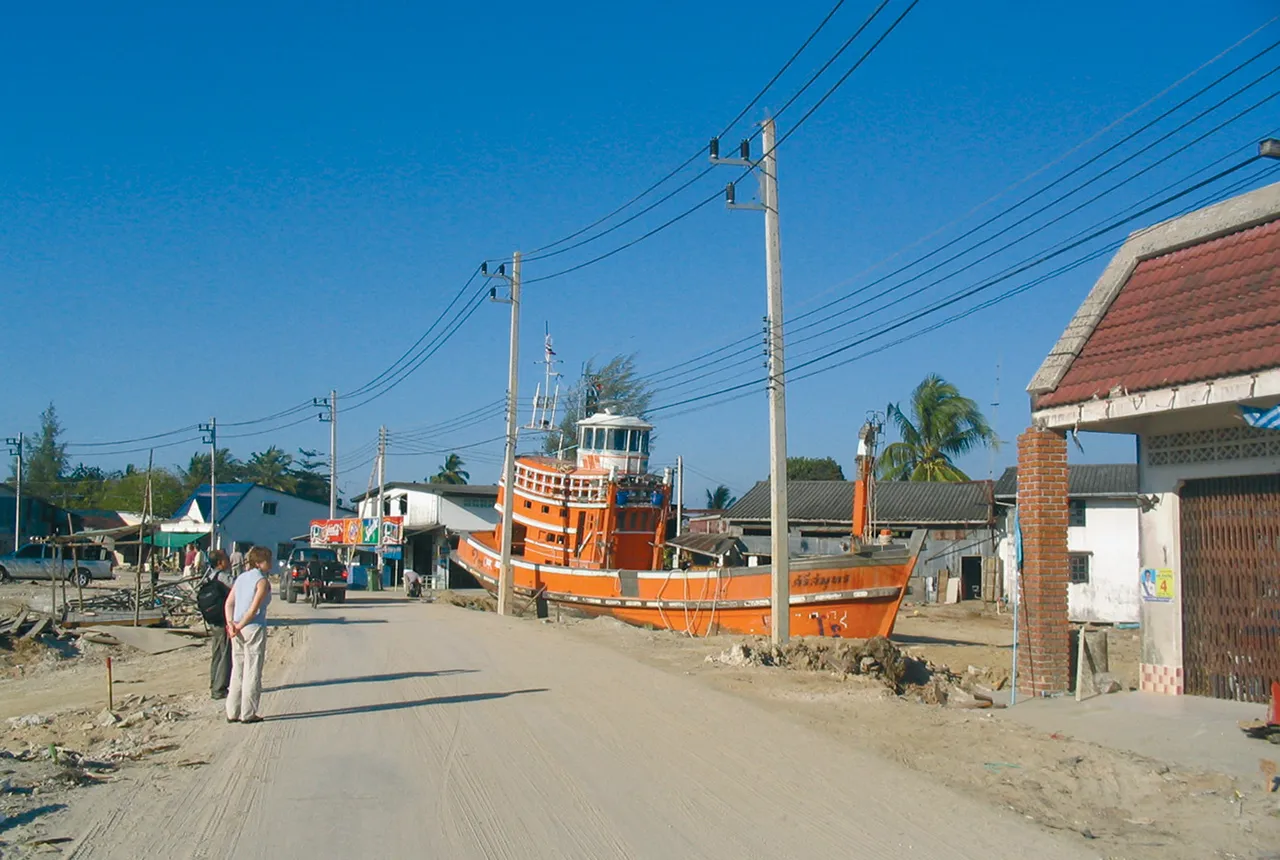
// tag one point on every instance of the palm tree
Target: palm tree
(943, 425)
(197, 471)
(451, 472)
(720, 499)
(271, 468)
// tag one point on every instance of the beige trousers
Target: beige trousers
(248, 650)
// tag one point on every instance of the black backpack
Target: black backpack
(211, 600)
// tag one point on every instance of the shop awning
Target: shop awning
(174, 540)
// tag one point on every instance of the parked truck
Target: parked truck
(48, 561)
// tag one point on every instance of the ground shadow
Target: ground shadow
(324, 619)
(30, 815)
(399, 706)
(905, 639)
(354, 601)
(369, 679)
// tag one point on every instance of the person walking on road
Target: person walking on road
(189, 561)
(220, 660)
(237, 560)
(246, 611)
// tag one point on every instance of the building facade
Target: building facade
(249, 515)
(435, 516)
(1178, 344)
(40, 519)
(1102, 541)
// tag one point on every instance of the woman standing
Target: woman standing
(246, 611)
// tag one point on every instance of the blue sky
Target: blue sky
(229, 211)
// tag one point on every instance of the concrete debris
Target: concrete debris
(877, 658)
(1105, 682)
(106, 719)
(29, 720)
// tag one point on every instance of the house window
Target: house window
(1075, 514)
(269, 508)
(1079, 568)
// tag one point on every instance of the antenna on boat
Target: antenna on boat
(546, 398)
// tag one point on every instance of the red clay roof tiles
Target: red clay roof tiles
(1200, 313)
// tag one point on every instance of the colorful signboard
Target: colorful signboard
(1157, 585)
(357, 532)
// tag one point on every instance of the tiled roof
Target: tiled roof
(1202, 312)
(1096, 480)
(896, 502)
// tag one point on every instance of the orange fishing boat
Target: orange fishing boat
(591, 533)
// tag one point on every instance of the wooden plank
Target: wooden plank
(39, 627)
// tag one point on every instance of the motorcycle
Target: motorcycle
(315, 586)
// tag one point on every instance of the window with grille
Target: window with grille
(1079, 568)
(1076, 515)
(269, 508)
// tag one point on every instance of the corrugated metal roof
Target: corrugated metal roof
(896, 502)
(1201, 312)
(1083, 481)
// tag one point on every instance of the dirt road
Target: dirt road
(419, 730)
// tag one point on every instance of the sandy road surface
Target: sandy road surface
(416, 730)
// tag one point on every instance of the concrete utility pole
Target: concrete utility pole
(331, 402)
(15, 449)
(382, 492)
(767, 172)
(210, 432)
(679, 494)
(506, 581)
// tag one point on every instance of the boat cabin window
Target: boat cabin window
(617, 440)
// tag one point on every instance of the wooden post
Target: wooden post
(75, 563)
(142, 529)
(111, 701)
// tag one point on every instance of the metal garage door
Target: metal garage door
(1231, 587)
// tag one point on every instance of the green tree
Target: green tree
(46, 459)
(942, 425)
(813, 469)
(618, 387)
(197, 470)
(720, 499)
(451, 472)
(128, 491)
(271, 468)
(311, 476)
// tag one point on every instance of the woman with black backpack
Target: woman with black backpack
(211, 598)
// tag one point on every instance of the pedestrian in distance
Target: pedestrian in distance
(237, 560)
(246, 612)
(189, 560)
(211, 597)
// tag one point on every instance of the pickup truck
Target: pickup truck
(45, 561)
(303, 564)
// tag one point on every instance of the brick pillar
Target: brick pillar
(1044, 640)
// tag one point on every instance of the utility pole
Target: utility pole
(506, 580)
(679, 493)
(382, 492)
(210, 432)
(331, 403)
(767, 172)
(15, 449)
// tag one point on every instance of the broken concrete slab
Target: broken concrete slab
(148, 639)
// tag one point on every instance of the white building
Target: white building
(249, 514)
(1178, 344)
(434, 516)
(1102, 539)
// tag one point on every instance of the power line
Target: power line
(718, 193)
(533, 255)
(751, 339)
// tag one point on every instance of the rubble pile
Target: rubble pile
(876, 658)
(873, 658)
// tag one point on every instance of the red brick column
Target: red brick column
(1044, 641)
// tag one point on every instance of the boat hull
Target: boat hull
(853, 595)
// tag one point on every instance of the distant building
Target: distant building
(40, 518)
(248, 514)
(1102, 539)
(435, 515)
(959, 517)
